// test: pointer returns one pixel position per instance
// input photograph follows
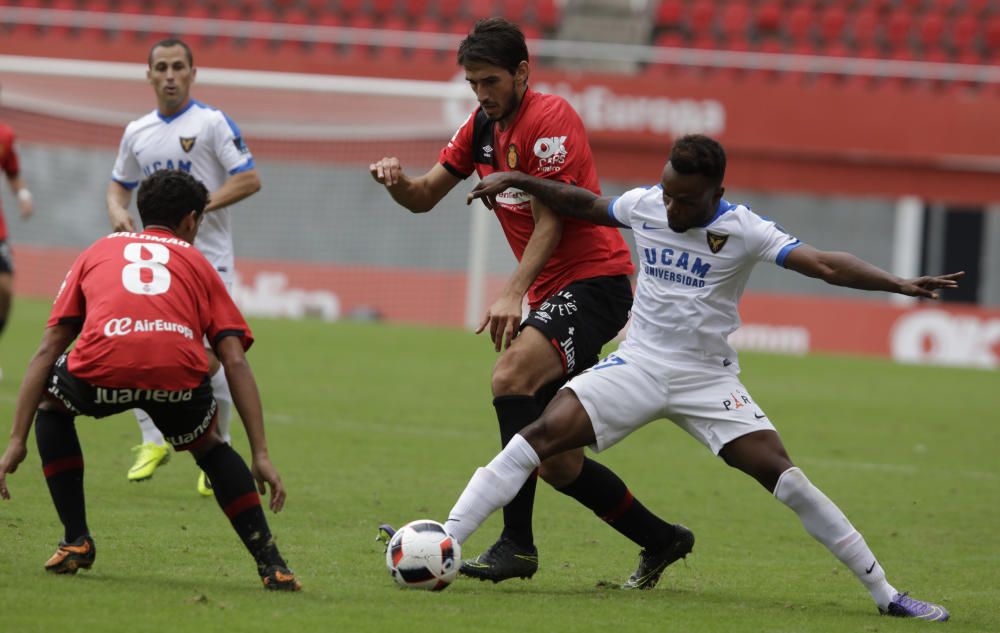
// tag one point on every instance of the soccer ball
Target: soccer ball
(421, 555)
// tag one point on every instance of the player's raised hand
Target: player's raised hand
(925, 286)
(488, 188)
(12, 458)
(387, 171)
(264, 472)
(503, 319)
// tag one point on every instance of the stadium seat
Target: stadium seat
(734, 21)
(449, 10)
(391, 50)
(517, 11)
(700, 18)
(930, 31)
(768, 18)
(991, 34)
(964, 30)
(669, 14)
(477, 9)
(357, 49)
(547, 14)
(416, 9)
(382, 9)
(427, 24)
(832, 22)
(898, 28)
(349, 8)
(864, 28)
(799, 23)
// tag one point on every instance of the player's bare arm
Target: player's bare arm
(55, 340)
(118, 199)
(246, 397)
(504, 316)
(562, 198)
(844, 269)
(420, 194)
(24, 198)
(237, 187)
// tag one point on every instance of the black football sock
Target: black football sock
(514, 413)
(605, 493)
(548, 391)
(62, 463)
(236, 493)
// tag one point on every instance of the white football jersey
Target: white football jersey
(201, 141)
(690, 284)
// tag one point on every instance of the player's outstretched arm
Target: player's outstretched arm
(419, 195)
(237, 187)
(118, 199)
(55, 340)
(246, 397)
(844, 269)
(562, 198)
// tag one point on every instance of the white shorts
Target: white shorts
(623, 393)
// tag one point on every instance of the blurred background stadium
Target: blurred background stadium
(868, 126)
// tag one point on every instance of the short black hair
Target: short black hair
(494, 41)
(167, 196)
(168, 43)
(699, 154)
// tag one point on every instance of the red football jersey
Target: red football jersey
(9, 166)
(546, 139)
(146, 301)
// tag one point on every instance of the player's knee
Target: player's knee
(563, 469)
(511, 376)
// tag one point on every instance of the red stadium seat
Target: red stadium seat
(898, 28)
(800, 23)
(547, 14)
(382, 8)
(991, 35)
(669, 13)
(976, 8)
(449, 10)
(963, 32)
(349, 8)
(768, 17)
(359, 21)
(477, 9)
(700, 18)
(865, 28)
(832, 22)
(930, 30)
(670, 39)
(517, 11)
(735, 20)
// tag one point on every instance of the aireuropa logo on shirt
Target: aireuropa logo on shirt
(123, 326)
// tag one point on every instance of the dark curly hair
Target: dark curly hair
(699, 154)
(167, 196)
(494, 41)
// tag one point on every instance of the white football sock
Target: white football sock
(828, 525)
(492, 487)
(224, 401)
(149, 431)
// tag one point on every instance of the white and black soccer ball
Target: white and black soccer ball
(421, 555)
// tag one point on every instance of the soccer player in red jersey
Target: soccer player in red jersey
(139, 305)
(575, 276)
(11, 167)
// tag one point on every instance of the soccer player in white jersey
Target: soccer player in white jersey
(184, 134)
(696, 252)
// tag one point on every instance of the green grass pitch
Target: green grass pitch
(374, 423)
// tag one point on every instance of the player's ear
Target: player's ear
(521, 74)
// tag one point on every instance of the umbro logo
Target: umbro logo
(650, 227)
(488, 151)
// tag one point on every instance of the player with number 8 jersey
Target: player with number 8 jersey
(160, 294)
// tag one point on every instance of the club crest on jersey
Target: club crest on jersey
(512, 156)
(716, 241)
(187, 144)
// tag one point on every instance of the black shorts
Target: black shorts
(184, 417)
(581, 317)
(6, 259)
